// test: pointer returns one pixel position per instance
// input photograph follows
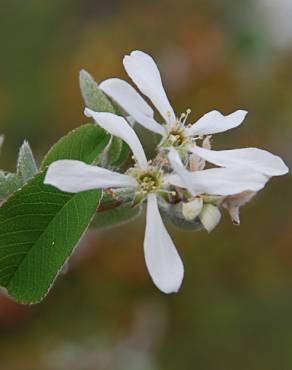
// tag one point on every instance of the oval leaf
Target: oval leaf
(39, 227)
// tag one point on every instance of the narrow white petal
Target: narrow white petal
(180, 170)
(225, 181)
(253, 158)
(162, 259)
(214, 122)
(144, 72)
(119, 127)
(132, 103)
(75, 176)
(215, 181)
(210, 217)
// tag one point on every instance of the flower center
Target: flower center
(176, 137)
(149, 181)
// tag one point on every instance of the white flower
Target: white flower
(162, 259)
(175, 131)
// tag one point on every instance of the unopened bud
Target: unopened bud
(210, 217)
(192, 209)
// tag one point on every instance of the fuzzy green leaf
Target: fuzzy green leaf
(93, 97)
(26, 166)
(9, 183)
(96, 100)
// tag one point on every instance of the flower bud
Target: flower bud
(210, 217)
(192, 209)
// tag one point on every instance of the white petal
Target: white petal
(119, 127)
(180, 170)
(215, 181)
(210, 217)
(214, 122)
(253, 158)
(162, 259)
(144, 72)
(75, 176)
(132, 102)
(234, 202)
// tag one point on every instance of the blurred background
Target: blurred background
(234, 308)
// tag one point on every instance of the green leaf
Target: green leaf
(114, 151)
(116, 216)
(9, 183)
(85, 143)
(123, 156)
(96, 100)
(39, 227)
(26, 166)
(93, 97)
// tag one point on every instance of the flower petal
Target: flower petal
(215, 181)
(183, 174)
(119, 127)
(144, 72)
(253, 158)
(132, 102)
(162, 259)
(75, 176)
(234, 202)
(214, 122)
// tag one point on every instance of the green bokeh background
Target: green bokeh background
(234, 310)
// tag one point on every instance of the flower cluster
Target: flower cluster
(186, 176)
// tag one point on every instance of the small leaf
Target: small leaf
(116, 216)
(26, 166)
(93, 97)
(85, 143)
(9, 183)
(96, 100)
